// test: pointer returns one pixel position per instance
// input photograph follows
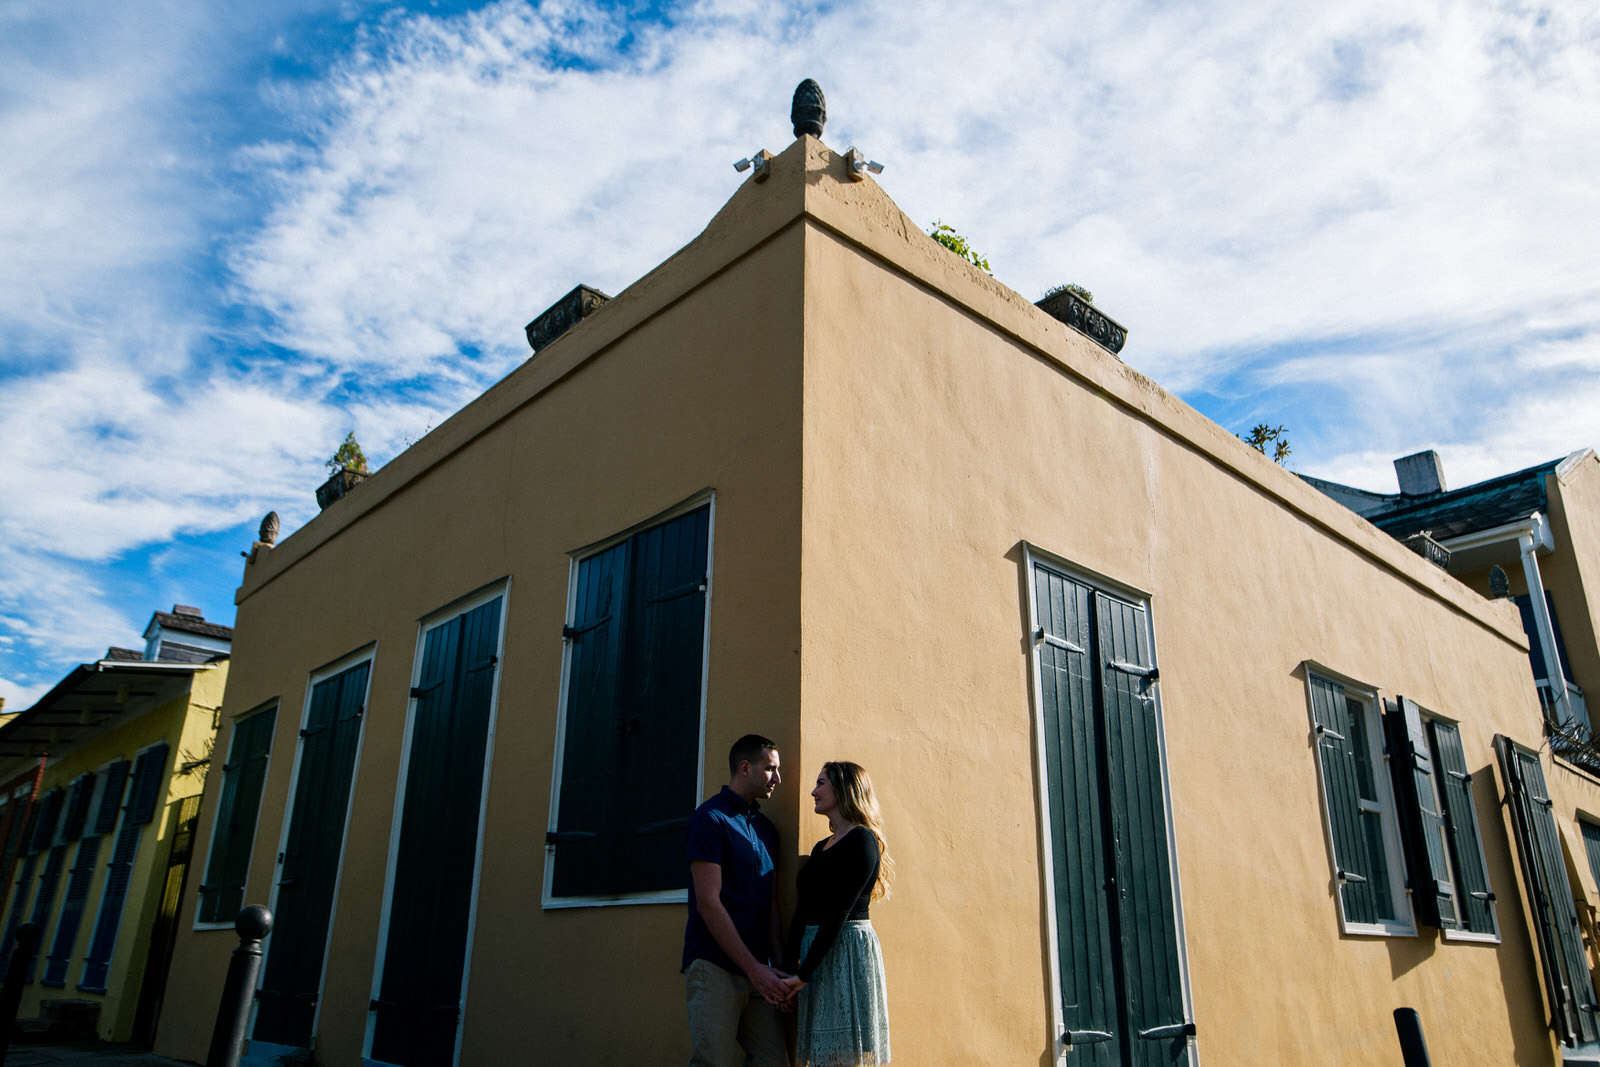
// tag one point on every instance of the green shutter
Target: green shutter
(228, 866)
(19, 901)
(632, 720)
(310, 869)
(83, 867)
(1074, 786)
(119, 874)
(419, 1002)
(44, 827)
(1422, 823)
(1474, 897)
(1143, 907)
(659, 738)
(148, 775)
(1544, 872)
(78, 807)
(1121, 982)
(44, 903)
(1336, 738)
(105, 817)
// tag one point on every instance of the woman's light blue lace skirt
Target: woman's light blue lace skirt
(843, 1014)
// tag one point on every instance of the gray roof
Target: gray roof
(1496, 502)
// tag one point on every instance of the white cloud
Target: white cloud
(1371, 221)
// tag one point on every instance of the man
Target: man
(733, 935)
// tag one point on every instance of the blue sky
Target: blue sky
(233, 233)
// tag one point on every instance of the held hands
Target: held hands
(772, 984)
(793, 984)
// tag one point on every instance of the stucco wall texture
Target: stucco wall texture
(885, 430)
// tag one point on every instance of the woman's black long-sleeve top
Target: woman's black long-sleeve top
(835, 885)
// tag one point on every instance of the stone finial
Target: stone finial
(1499, 584)
(809, 110)
(269, 529)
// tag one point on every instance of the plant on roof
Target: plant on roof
(947, 236)
(1261, 435)
(349, 457)
(1076, 290)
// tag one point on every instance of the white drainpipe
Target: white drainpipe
(1530, 539)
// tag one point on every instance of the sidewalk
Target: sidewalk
(100, 1055)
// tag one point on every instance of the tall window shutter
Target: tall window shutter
(1474, 897)
(149, 773)
(1084, 947)
(19, 901)
(1567, 983)
(585, 860)
(632, 719)
(105, 817)
(119, 875)
(660, 734)
(78, 807)
(292, 974)
(45, 901)
(417, 1012)
(1144, 909)
(1354, 868)
(44, 827)
(1422, 823)
(1121, 981)
(222, 893)
(83, 867)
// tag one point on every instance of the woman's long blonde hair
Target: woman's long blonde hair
(859, 804)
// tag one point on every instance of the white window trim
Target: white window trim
(274, 706)
(1404, 924)
(500, 589)
(367, 653)
(1032, 555)
(549, 901)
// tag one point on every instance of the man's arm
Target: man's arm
(708, 896)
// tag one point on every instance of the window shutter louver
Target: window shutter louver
(222, 893)
(1342, 795)
(1566, 971)
(1422, 824)
(44, 829)
(148, 775)
(105, 818)
(1474, 897)
(83, 867)
(118, 876)
(44, 901)
(78, 807)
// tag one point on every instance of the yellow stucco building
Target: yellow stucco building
(98, 849)
(1130, 693)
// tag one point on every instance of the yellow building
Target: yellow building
(1123, 684)
(99, 856)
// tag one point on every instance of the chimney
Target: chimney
(1420, 474)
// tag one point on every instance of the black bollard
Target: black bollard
(28, 935)
(233, 1014)
(1413, 1049)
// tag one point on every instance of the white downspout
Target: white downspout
(1535, 536)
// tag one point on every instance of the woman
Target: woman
(842, 1012)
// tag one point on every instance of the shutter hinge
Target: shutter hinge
(1184, 1029)
(1350, 876)
(567, 837)
(1084, 1037)
(569, 633)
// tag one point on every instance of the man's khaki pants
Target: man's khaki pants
(730, 1024)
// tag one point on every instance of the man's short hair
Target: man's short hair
(749, 747)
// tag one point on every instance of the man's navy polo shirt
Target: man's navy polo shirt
(744, 843)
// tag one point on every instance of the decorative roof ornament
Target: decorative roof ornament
(269, 529)
(809, 110)
(1499, 584)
